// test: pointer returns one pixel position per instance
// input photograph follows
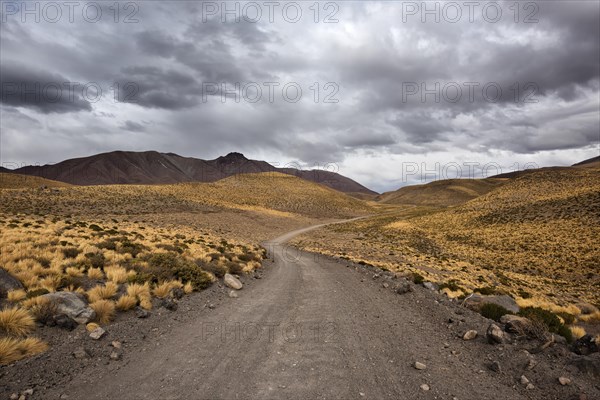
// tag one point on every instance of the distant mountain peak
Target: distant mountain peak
(232, 157)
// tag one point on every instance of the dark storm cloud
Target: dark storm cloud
(45, 92)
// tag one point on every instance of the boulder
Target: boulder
(73, 305)
(431, 286)
(495, 335)
(403, 287)
(516, 324)
(232, 282)
(63, 321)
(8, 283)
(470, 335)
(585, 345)
(476, 301)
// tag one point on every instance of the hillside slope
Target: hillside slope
(270, 192)
(443, 193)
(151, 167)
(17, 181)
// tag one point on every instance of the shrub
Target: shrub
(126, 302)
(105, 310)
(452, 285)
(71, 252)
(95, 273)
(170, 266)
(107, 291)
(116, 274)
(37, 292)
(95, 228)
(107, 244)
(567, 318)
(417, 279)
(234, 268)
(96, 260)
(218, 270)
(132, 248)
(493, 311)
(16, 321)
(12, 349)
(486, 291)
(549, 319)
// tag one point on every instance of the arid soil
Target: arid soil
(311, 327)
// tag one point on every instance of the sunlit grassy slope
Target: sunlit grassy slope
(16, 181)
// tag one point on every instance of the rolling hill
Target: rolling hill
(443, 193)
(152, 167)
(18, 181)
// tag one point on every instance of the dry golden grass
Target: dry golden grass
(591, 318)
(188, 288)
(102, 292)
(105, 310)
(163, 289)
(95, 274)
(13, 349)
(138, 291)
(16, 321)
(146, 303)
(15, 296)
(116, 274)
(577, 332)
(126, 302)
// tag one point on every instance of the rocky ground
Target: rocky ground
(390, 339)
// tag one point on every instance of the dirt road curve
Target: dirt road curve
(310, 329)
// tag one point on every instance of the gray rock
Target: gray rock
(232, 282)
(63, 321)
(470, 335)
(8, 283)
(495, 366)
(524, 380)
(141, 313)
(476, 301)
(563, 380)
(385, 285)
(169, 303)
(116, 355)
(425, 387)
(73, 305)
(495, 335)
(97, 333)
(403, 287)
(233, 294)
(420, 366)
(81, 353)
(178, 293)
(431, 286)
(516, 324)
(585, 345)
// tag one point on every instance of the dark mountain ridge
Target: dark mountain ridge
(152, 167)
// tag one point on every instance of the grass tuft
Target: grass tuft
(105, 310)
(13, 349)
(108, 291)
(16, 321)
(126, 302)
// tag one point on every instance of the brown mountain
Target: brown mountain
(593, 162)
(151, 167)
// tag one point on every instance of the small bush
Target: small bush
(234, 268)
(218, 270)
(105, 310)
(96, 260)
(452, 285)
(95, 228)
(549, 319)
(417, 279)
(37, 292)
(109, 290)
(107, 244)
(12, 349)
(71, 252)
(493, 311)
(126, 302)
(132, 248)
(16, 321)
(486, 291)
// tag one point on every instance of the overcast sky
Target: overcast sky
(386, 98)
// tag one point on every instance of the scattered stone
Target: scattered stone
(420, 366)
(564, 381)
(233, 294)
(178, 293)
(431, 286)
(63, 321)
(169, 303)
(470, 335)
(376, 276)
(8, 283)
(116, 344)
(14, 396)
(97, 333)
(116, 355)
(27, 392)
(403, 287)
(494, 334)
(385, 285)
(516, 324)
(495, 366)
(530, 386)
(73, 305)
(585, 345)
(232, 282)
(211, 306)
(141, 313)
(425, 387)
(81, 353)
(476, 301)
(524, 380)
